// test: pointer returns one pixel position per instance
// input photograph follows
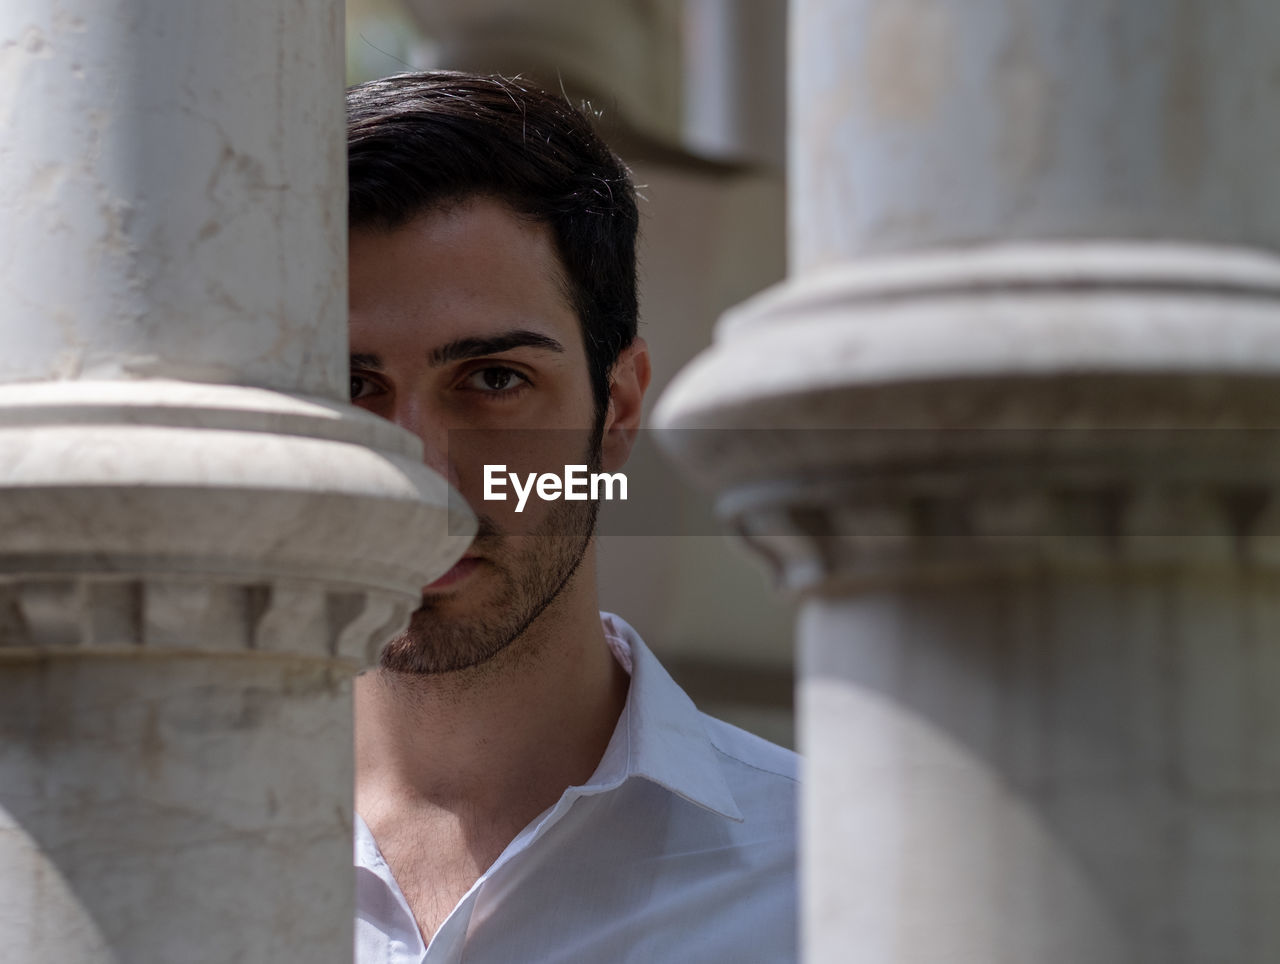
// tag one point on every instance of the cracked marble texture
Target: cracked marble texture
(181, 214)
(149, 805)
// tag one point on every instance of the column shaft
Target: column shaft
(199, 539)
(171, 193)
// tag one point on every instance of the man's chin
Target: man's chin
(435, 644)
(477, 609)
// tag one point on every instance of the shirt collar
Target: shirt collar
(660, 735)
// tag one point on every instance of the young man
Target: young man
(531, 785)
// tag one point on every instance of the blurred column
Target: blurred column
(199, 540)
(1008, 431)
(734, 65)
(622, 55)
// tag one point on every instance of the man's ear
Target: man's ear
(627, 384)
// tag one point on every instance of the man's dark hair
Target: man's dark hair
(420, 141)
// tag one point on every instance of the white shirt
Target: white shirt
(680, 849)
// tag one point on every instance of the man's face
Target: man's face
(460, 320)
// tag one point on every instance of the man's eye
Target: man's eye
(495, 380)
(361, 387)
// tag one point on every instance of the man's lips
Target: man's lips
(461, 569)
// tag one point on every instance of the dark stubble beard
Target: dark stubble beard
(524, 575)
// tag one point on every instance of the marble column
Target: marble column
(1008, 431)
(199, 539)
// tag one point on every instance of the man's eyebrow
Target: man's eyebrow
(464, 348)
(369, 362)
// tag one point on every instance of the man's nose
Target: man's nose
(413, 416)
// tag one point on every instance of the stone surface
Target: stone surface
(175, 807)
(923, 123)
(199, 539)
(1008, 433)
(954, 325)
(1033, 518)
(1058, 766)
(168, 479)
(168, 197)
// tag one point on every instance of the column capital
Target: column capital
(922, 415)
(176, 515)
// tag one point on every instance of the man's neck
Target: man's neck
(495, 745)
